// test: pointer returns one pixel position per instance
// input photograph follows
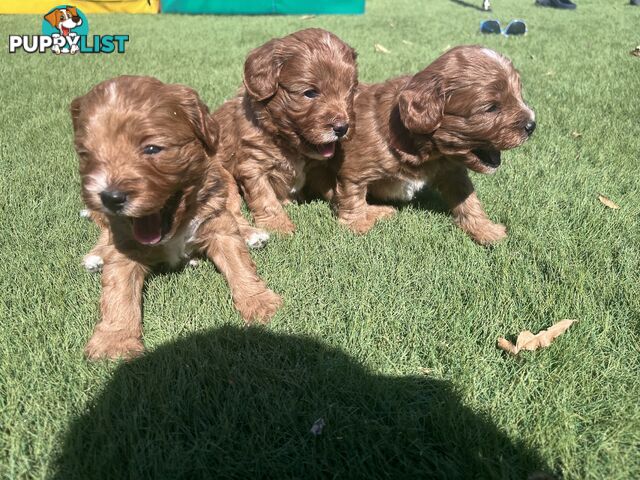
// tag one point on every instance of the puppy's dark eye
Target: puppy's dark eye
(311, 93)
(492, 108)
(152, 149)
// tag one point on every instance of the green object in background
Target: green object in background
(260, 7)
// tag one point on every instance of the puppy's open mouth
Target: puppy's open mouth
(490, 158)
(151, 229)
(325, 150)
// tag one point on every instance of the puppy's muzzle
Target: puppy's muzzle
(530, 127)
(340, 129)
(114, 200)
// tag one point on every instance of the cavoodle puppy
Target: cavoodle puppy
(459, 113)
(294, 110)
(153, 184)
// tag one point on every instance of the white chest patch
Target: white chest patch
(300, 176)
(180, 247)
(396, 189)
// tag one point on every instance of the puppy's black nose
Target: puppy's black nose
(114, 200)
(340, 129)
(530, 127)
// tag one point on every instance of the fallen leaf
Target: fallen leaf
(550, 73)
(425, 370)
(528, 341)
(576, 134)
(407, 42)
(636, 51)
(448, 47)
(380, 48)
(307, 17)
(608, 202)
(316, 428)
(392, 25)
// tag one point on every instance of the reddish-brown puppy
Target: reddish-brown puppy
(155, 187)
(457, 114)
(295, 108)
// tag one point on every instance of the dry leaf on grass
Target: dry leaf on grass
(407, 42)
(550, 73)
(608, 202)
(576, 134)
(528, 341)
(636, 51)
(380, 48)
(316, 428)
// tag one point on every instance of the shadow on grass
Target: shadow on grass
(426, 199)
(239, 403)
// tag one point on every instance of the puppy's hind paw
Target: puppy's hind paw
(257, 239)
(93, 263)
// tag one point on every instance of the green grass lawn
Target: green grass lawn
(390, 337)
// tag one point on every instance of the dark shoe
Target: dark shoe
(635, 2)
(565, 4)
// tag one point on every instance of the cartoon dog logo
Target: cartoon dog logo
(64, 19)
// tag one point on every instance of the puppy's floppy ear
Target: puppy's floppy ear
(204, 126)
(421, 104)
(75, 110)
(261, 70)
(53, 18)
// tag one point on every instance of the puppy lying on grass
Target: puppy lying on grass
(153, 184)
(294, 110)
(459, 113)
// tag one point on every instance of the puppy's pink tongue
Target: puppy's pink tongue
(327, 149)
(148, 230)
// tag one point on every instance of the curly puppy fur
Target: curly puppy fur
(294, 110)
(157, 191)
(457, 114)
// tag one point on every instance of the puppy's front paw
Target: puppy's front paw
(359, 225)
(280, 224)
(260, 307)
(93, 263)
(364, 221)
(378, 212)
(113, 345)
(488, 233)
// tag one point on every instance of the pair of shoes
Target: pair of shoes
(565, 4)
(515, 27)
